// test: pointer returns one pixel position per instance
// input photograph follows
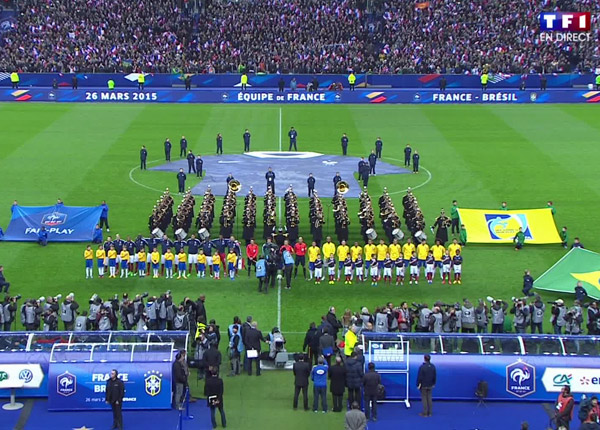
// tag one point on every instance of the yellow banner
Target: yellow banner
(495, 226)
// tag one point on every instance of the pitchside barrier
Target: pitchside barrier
(516, 367)
(264, 81)
(417, 96)
(26, 355)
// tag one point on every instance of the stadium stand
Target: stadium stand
(301, 36)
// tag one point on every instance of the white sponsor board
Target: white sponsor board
(31, 374)
(580, 379)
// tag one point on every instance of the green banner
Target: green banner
(577, 265)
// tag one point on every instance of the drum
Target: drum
(203, 234)
(420, 235)
(180, 233)
(157, 232)
(398, 234)
(371, 234)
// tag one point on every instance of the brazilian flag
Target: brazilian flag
(577, 265)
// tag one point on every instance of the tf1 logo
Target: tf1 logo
(566, 21)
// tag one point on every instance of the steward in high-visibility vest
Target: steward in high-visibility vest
(244, 81)
(141, 81)
(598, 82)
(351, 80)
(14, 79)
(484, 81)
(111, 84)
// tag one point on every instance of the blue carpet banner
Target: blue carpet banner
(63, 223)
(82, 386)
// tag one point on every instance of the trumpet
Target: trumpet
(234, 185)
(342, 187)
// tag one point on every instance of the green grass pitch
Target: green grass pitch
(479, 155)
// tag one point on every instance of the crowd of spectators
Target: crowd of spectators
(292, 36)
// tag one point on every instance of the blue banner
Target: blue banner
(232, 80)
(362, 96)
(531, 377)
(62, 223)
(82, 386)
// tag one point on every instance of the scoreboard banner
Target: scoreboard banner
(62, 223)
(82, 386)
(497, 226)
(267, 96)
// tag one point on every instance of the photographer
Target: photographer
(139, 314)
(81, 322)
(9, 308)
(30, 315)
(51, 319)
(404, 318)
(424, 313)
(152, 313)
(522, 316)
(481, 317)
(113, 306)
(593, 318)
(162, 303)
(450, 320)
(127, 313)
(558, 316)
(68, 312)
(574, 319)
(498, 312)
(537, 310)
(181, 320)
(436, 323)
(103, 319)
(95, 306)
(190, 308)
(467, 317)
(527, 284)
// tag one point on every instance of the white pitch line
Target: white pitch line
(139, 183)
(416, 187)
(279, 222)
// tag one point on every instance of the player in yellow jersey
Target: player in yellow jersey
(370, 251)
(216, 261)
(453, 247)
(181, 272)
(382, 250)
(438, 251)
(395, 250)
(169, 258)
(313, 253)
(100, 257)
(142, 263)
(328, 249)
(422, 252)
(112, 262)
(124, 262)
(407, 250)
(88, 256)
(342, 252)
(355, 251)
(155, 260)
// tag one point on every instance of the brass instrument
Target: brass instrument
(342, 187)
(447, 222)
(234, 185)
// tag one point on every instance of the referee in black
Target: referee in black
(115, 391)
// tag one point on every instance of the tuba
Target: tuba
(342, 187)
(234, 185)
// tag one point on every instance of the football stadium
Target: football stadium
(257, 214)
